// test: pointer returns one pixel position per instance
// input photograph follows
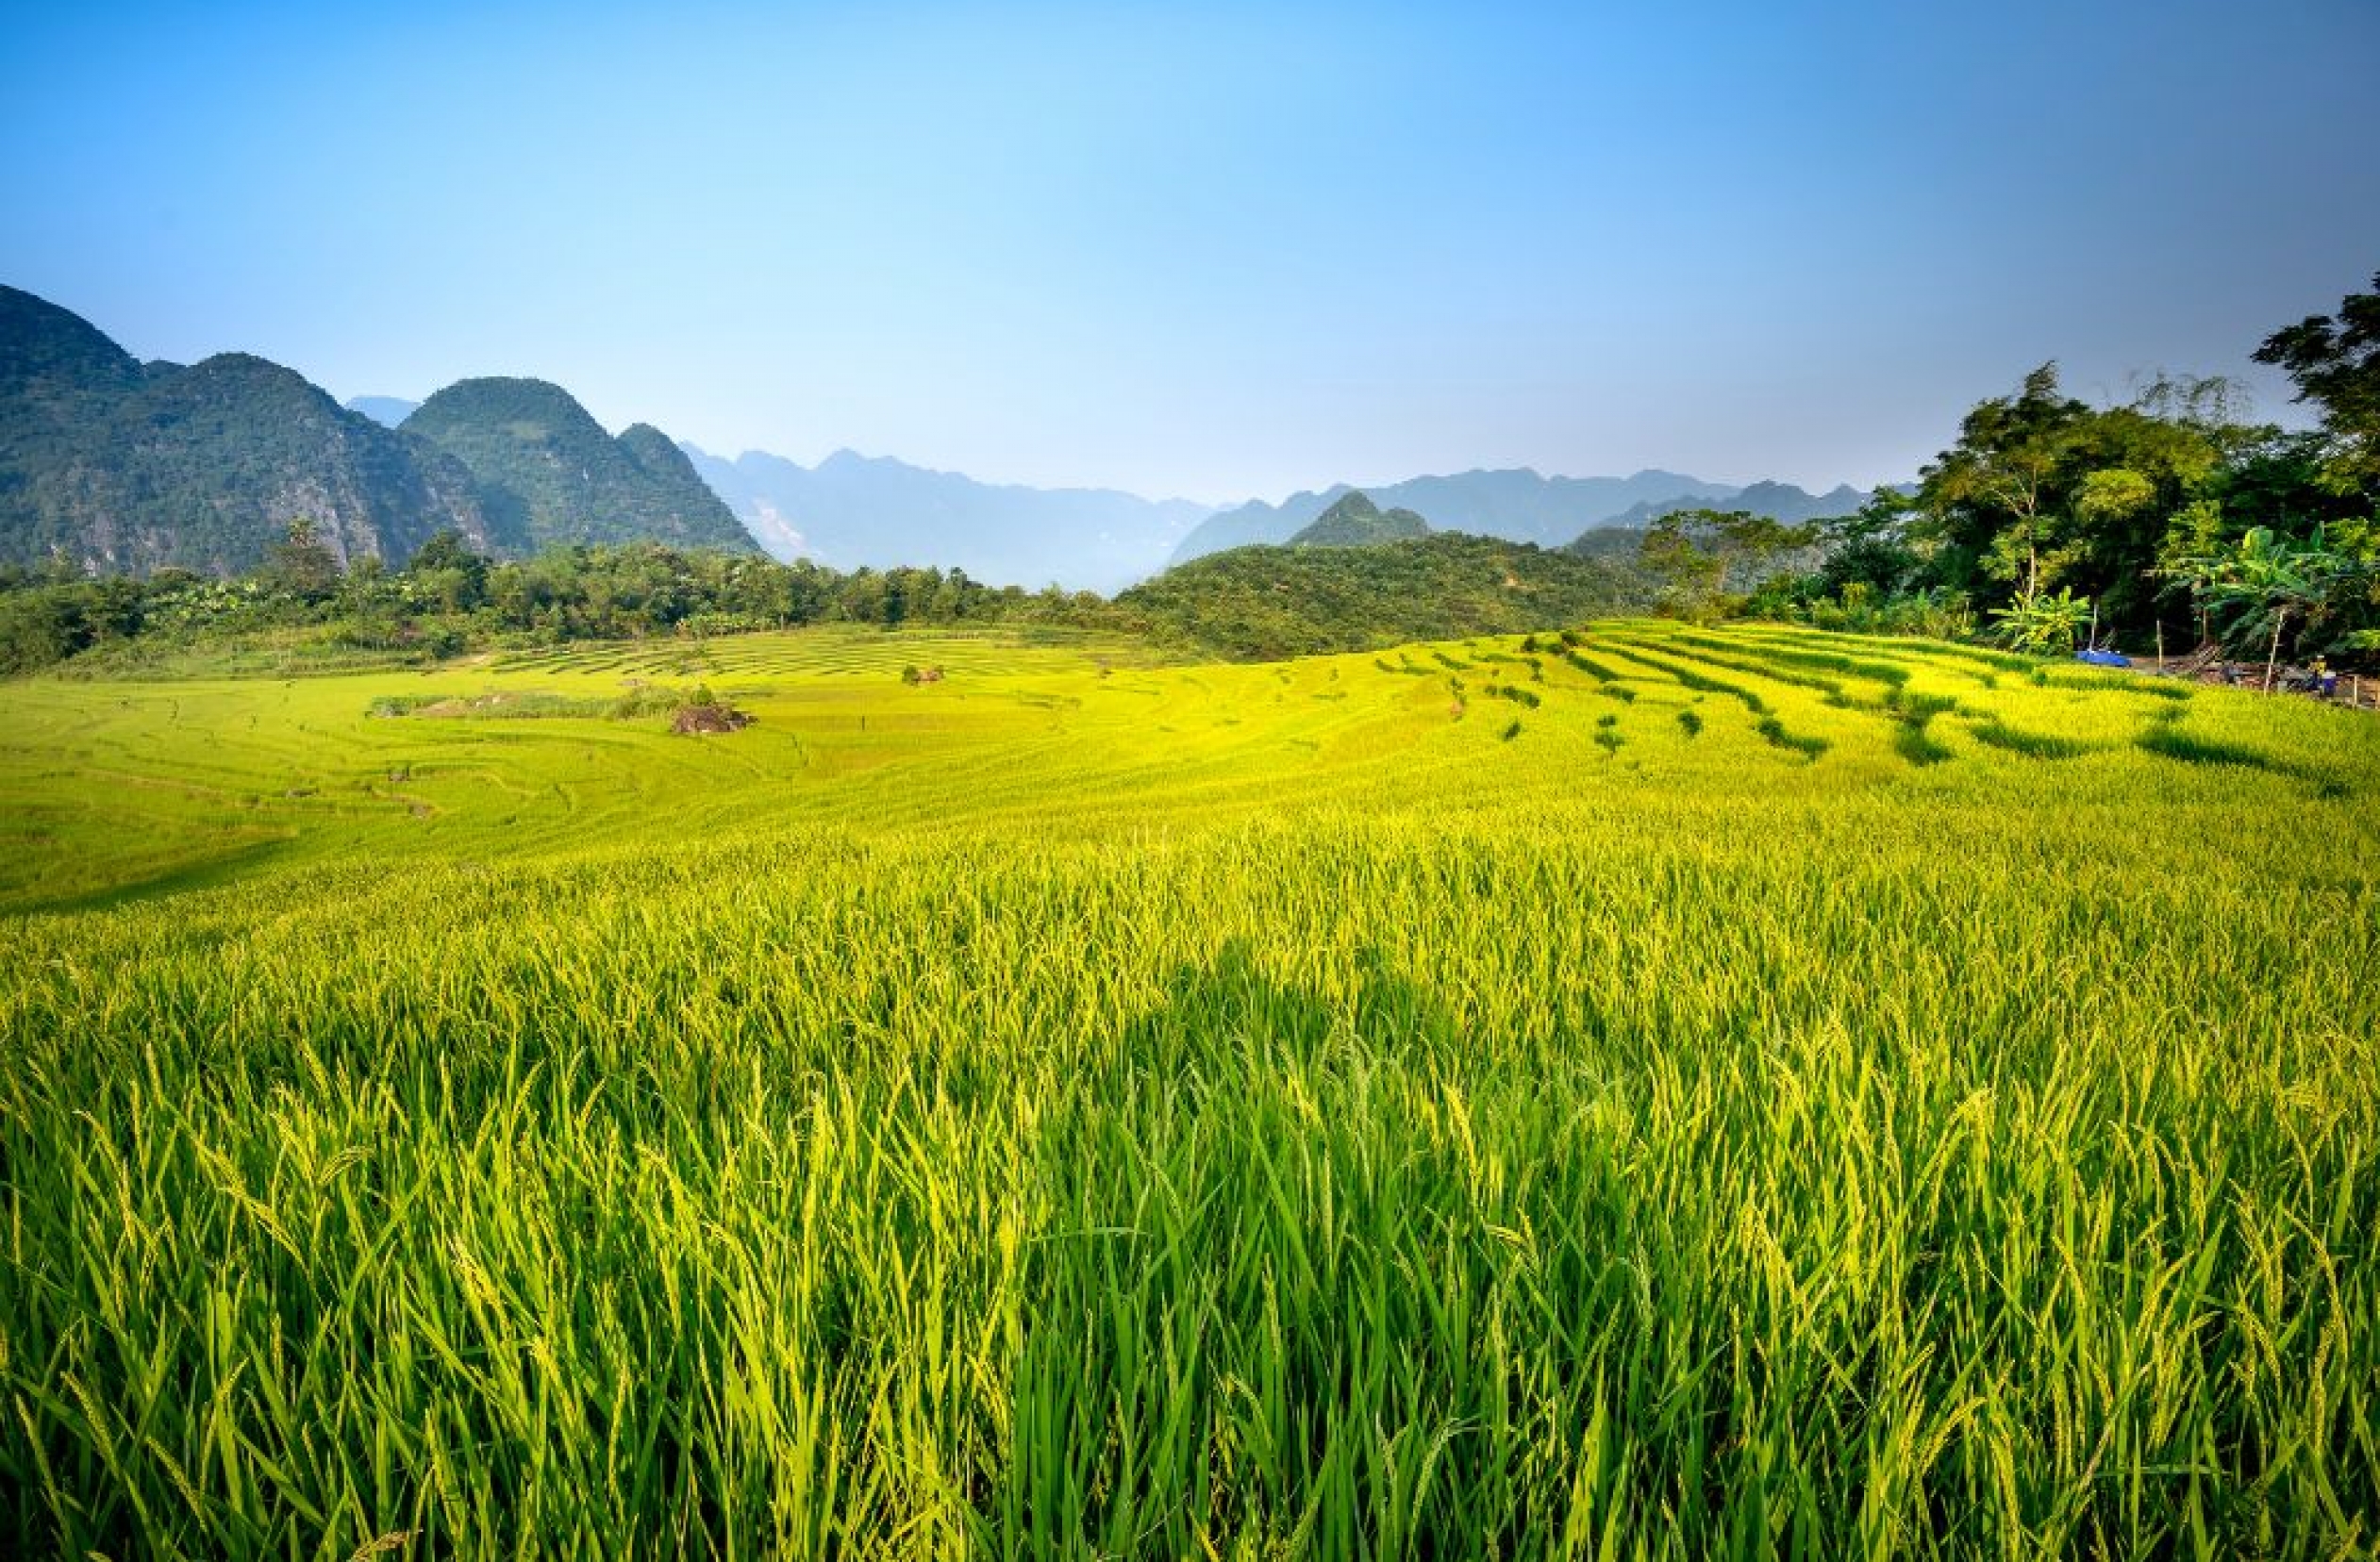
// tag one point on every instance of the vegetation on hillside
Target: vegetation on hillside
(110, 467)
(1268, 602)
(547, 473)
(449, 599)
(1356, 522)
(1255, 603)
(2164, 520)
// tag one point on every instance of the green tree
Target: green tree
(1994, 497)
(40, 627)
(2043, 490)
(1869, 548)
(2335, 362)
(2041, 623)
(1701, 554)
(448, 568)
(2267, 580)
(301, 565)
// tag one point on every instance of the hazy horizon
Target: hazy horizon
(1246, 254)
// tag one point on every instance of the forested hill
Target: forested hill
(1521, 504)
(547, 472)
(1270, 602)
(1783, 502)
(112, 466)
(116, 466)
(1356, 522)
(1517, 503)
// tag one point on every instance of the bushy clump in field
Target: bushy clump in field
(2167, 738)
(1774, 732)
(1016, 1126)
(1919, 746)
(1592, 667)
(506, 704)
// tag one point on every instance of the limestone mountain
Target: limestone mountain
(545, 471)
(1516, 503)
(1783, 502)
(1520, 505)
(1356, 522)
(114, 465)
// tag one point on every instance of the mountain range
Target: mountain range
(1777, 501)
(114, 465)
(851, 510)
(1518, 504)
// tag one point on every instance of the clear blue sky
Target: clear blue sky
(1218, 250)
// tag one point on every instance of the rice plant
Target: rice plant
(979, 1119)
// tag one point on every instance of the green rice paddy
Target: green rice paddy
(1681, 1092)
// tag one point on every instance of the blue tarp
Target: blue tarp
(2104, 658)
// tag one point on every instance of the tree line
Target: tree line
(448, 598)
(2167, 520)
(2170, 520)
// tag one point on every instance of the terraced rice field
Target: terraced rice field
(1668, 1092)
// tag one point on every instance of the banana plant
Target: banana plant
(2268, 580)
(2040, 624)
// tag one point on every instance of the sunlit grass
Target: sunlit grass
(1089, 1108)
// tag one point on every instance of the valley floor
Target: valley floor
(1703, 1090)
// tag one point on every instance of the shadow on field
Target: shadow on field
(1233, 1012)
(203, 874)
(2165, 738)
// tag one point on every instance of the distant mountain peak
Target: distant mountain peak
(118, 465)
(851, 510)
(1784, 502)
(548, 472)
(1355, 521)
(1517, 503)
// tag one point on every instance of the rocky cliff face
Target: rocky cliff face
(115, 465)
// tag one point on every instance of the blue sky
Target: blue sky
(1214, 251)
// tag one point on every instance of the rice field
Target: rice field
(1658, 1092)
